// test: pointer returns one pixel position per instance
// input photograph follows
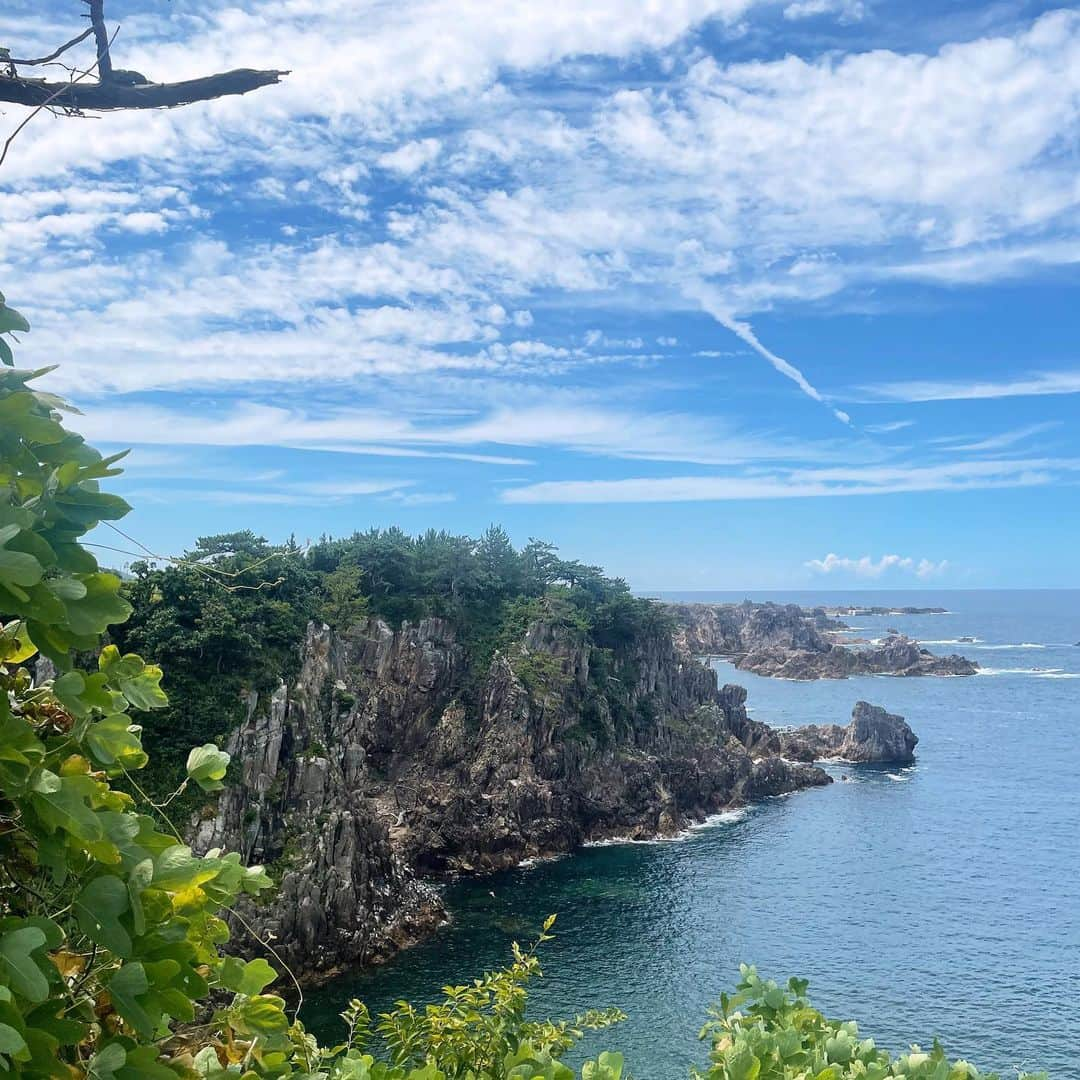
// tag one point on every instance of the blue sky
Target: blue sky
(716, 293)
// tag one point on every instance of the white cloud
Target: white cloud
(801, 484)
(885, 428)
(963, 445)
(733, 188)
(411, 157)
(867, 567)
(1034, 385)
(557, 423)
(848, 10)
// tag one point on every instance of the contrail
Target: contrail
(745, 331)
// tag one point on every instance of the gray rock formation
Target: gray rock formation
(873, 735)
(789, 642)
(391, 760)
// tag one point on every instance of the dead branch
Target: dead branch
(116, 89)
(102, 96)
(101, 39)
(47, 103)
(53, 55)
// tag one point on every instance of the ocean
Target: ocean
(940, 900)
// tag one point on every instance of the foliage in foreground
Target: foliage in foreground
(765, 1032)
(111, 928)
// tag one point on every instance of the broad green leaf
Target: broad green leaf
(106, 1061)
(114, 740)
(143, 1063)
(13, 1044)
(125, 989)
(15, 643)
(144, 690)
(262, 1015)
(98, 910)
(207, 765)
(101, 607)
(61, 804)
(67, 688)
(12, 320)
(18, 568)
(138, 881)
(17, 948)
(246, 978)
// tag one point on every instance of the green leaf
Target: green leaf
(143, 1063)
(206, 765)
(18, 568)
(114, 740)
(125, 988)
(7, 357)
(13, 1044)
(98, 909)
(144, 690)
(68, 688)
(246, 978)
(17, 948)
(11, 320)
(742, 1064)
(101, 607)
(61, 804)
(107, 1060)
(262, 1015)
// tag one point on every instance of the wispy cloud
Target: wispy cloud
(886, 428)
(960, 444)
(479, 435)
(800, 484)
(1034, 385)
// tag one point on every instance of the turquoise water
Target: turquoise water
(937, 900)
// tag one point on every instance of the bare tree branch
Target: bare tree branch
(53, 55)
(99, 96)
(101, 39)
(116, 89)
(45, 105)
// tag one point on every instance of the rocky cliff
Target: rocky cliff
(393, 758)
(790, 642)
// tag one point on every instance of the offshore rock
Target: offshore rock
(873, 735)
(790, 642)
(391, 760)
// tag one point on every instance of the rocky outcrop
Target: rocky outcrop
(789, 642)
(873, 735)
(392, 760)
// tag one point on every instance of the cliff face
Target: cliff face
(391, 759)
(790, 642)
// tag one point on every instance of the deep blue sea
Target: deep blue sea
(939, 900)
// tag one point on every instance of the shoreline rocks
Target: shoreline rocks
(790, 642)
(874, 735)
